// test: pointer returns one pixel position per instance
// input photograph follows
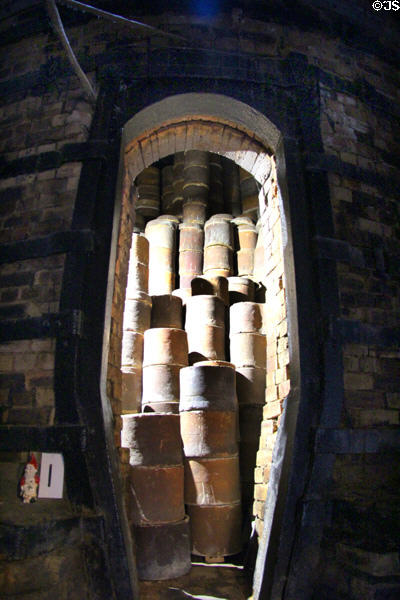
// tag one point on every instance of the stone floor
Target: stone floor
(204, 582)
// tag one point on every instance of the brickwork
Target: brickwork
(275, 324)
(35, 205)
(230, 140)
(114, 380)
(366, 216)
(26, 376)
(29, 288)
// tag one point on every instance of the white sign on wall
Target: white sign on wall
(51, 475)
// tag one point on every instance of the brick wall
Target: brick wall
(366, 215)
(121, 274)
(275, 324)
(35, 205)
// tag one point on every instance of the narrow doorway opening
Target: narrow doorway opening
(242, 204)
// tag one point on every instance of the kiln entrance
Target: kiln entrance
(220, 142)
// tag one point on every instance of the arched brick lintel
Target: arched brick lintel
(210, 122)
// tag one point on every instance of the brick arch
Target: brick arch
(200, 121)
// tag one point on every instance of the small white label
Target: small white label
(51, 476)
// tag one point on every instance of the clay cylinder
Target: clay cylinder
(246, 317)
(138, 274)
(215, 363)
(210, 481)
(215, 530)
(209, 433)
(219, 231)
(250, 385)
(250, 205)
(201, 286)
(148, 192)
(152, 439)
(218, 261)
(174, 219)
(191, 237)
(249, 193)
(185, 281)
(137, 313)
(241, 289)
(246, 233)
(196, 174)
(206, 342)
(208, 387)
(177, 183)
(161, 236)
(183, 294)
(162, 551)
(165, 346)
(139, 251)
(216, 192)
(149, 176)
(204, 310)
(132, 349)
(248, 349)
(161, 259)
(131, 392)
(155, 494)
(161, 281)
(167, 194)
(166, 311)
(194, 211)
(245, 263)
(160, 387)
(205, 328)
(138, 280)
(217, 286)
(161, 407)
(231, 184)
(139, 223)
(220, 287)
(190, 266)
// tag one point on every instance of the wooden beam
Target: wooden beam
(352, 331)
(44, 161)
(55, 243)
(328, 163)
(57, 438)
(357, 441)
(61, 324)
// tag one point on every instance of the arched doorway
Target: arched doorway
(232, 129)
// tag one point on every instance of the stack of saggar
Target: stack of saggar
(248, 354)
(155, 500)
(136, 321)
(208, 408)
